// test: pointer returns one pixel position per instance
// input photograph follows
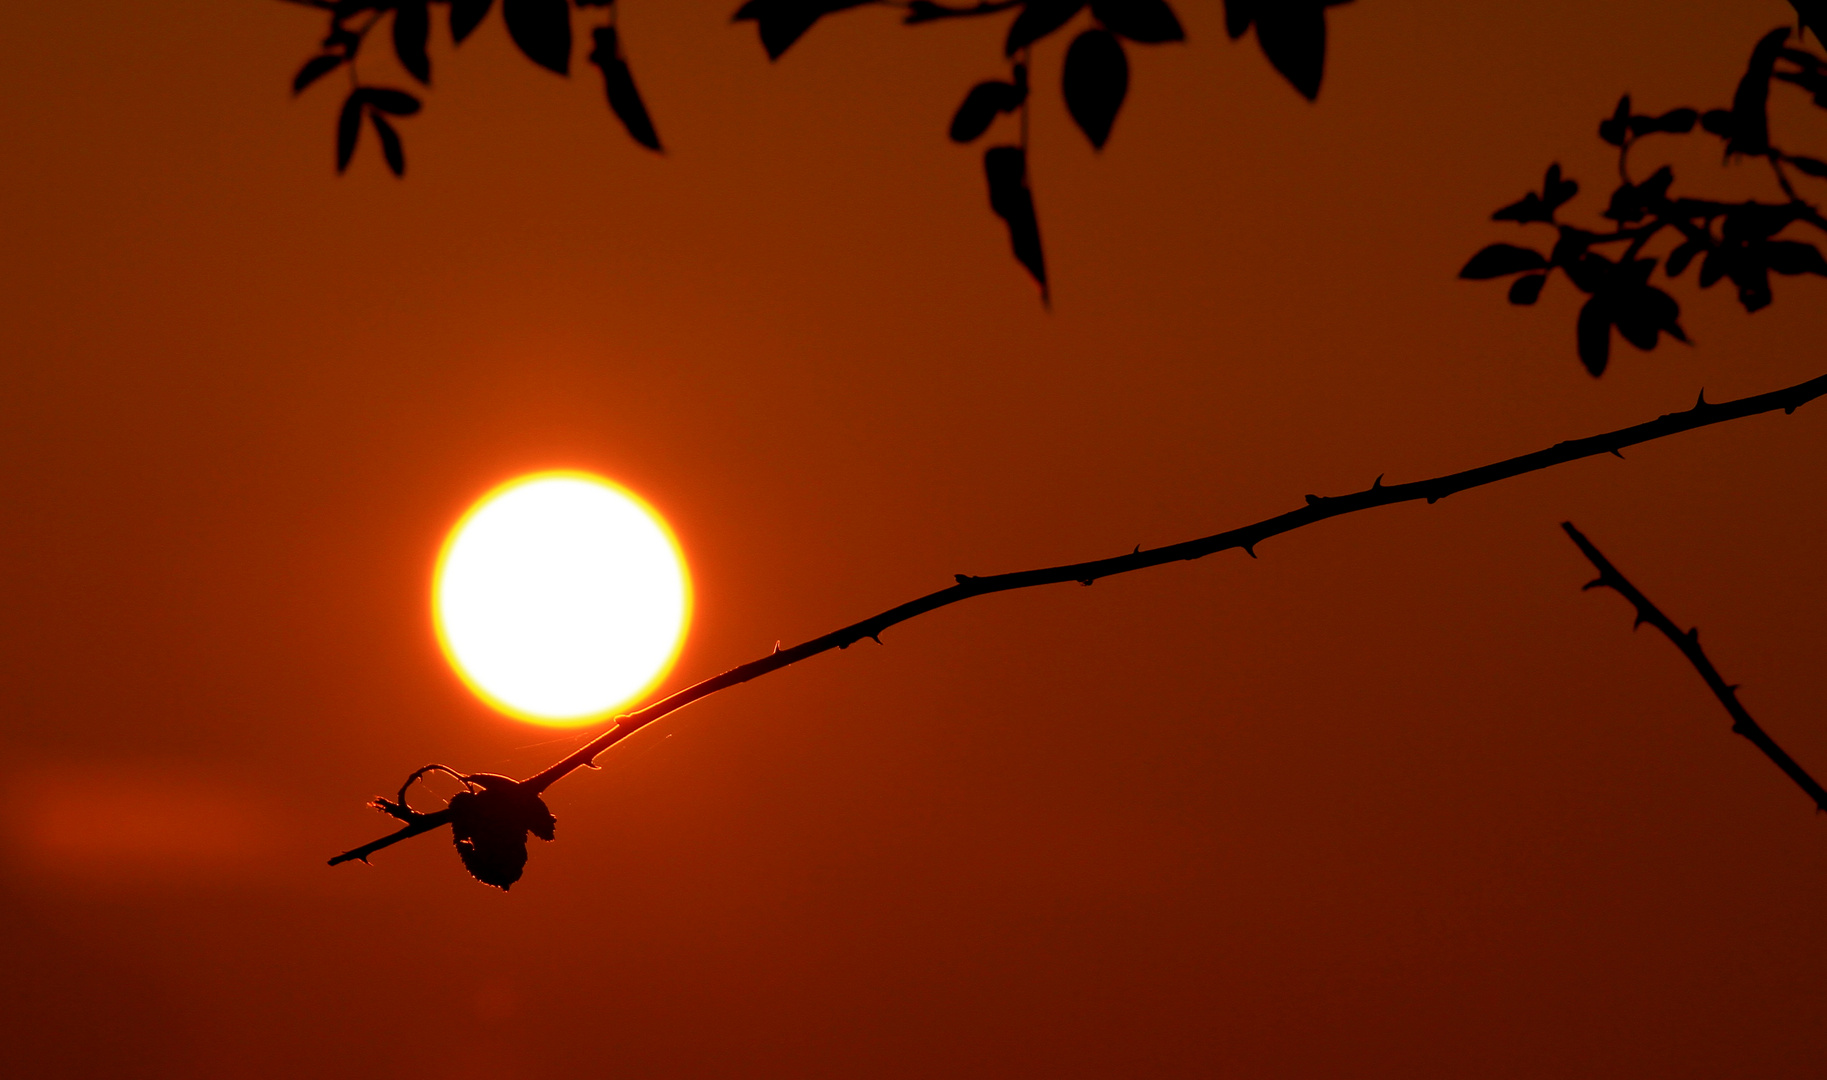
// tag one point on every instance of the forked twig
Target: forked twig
(1688, 642)
(1318, 508)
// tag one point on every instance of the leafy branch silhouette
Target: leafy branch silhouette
(1743, 242)
(490, 819)
(1688, 642)
(1095, 83)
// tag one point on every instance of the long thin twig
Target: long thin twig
(1318, 508)
(1688, 642)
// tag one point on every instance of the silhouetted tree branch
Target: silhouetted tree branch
(1689, 643)
(1318, 508)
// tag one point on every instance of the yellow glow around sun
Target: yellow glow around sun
(560, 597)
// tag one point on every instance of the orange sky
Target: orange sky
(1395, 799)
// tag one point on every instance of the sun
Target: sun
(561, 596)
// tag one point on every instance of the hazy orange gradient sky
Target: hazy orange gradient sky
(1394, 800)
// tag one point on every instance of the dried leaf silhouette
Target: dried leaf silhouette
(465, 16)
(618, 82)
(490, 827)
(1149, 22)
(1096, 80)
(1006, 168)
(985, 101)
(411, 30)
(542, 29)
(1039, 18)
(782, 22)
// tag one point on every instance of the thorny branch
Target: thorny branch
(1318, 508)
(1688, 641)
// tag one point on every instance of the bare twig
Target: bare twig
(1318, 508)
(1688, 642)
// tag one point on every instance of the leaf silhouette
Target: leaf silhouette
(1096, 80)
(1811, 166)
(1556, 191)
(1750, 105)
(397, 102)
(1594, 333)
(1616, 129)
(1149, 22)
(618, 82)
(542, 29)
(1527, 289)
(348, 128)
(1812, 14)
(390, 144)
(411, 30)
(987, 99)
(465, 16)
(1039, 18)
(782, 22)
(1006, 168)
(1791, 257)
(1498, 260)
(1292, 34)
(490, 827)
(1679, 258)
(1238, 15)
(1644, 312)
(314, 69)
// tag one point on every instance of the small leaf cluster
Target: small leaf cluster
(1741, 242)
(540, 28)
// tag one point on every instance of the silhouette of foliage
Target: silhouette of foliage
(1292, 34)
(618, 83)
(490, 823)
(1096, 80)
(1743, 242)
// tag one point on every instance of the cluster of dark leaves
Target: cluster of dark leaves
(541, 29)
(490, 822)
(1734, 241)
(1095, 82)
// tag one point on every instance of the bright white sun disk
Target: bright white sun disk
(561, 596)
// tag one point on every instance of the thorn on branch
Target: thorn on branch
(1616, 453)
